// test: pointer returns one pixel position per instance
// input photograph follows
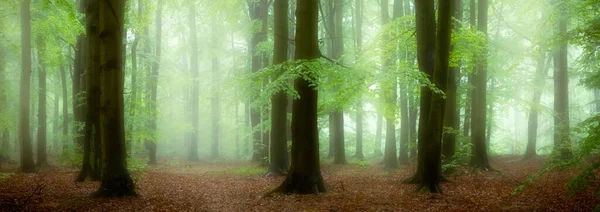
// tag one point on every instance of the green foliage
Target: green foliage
(461, 156)
(4, 176)
(248, 171)
(71, 156)
(137, 168)
(360, 163)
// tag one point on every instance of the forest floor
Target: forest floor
(239, 186)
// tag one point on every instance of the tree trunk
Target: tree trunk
(215, 99)
(77, 88)
(256, 11)
(153, 84)
(597, 98)
(562, 142)
(470, 91)
(413, 114)
(305, 172)
(377, 150)
(195, 92)
(359, 106)
(116, 180)
(389, 88)
(479, 159)
(63, 79)
(26, 154)
(532, 124)
(41, 136)
(338, 52)
(398, 12)
(279, 151)
(91, 165)
(452, 113)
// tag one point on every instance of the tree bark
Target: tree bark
(532, 124)
(305, 171)
(116, 180)
(562, 142)
(470, 91)
(404, 129)
(26, 154)
(452, 113)
(359, 106)
(389, 88)
(63, 79)
(479, 158)
(42, 116)
(77, 89)
(257, 9)
(279, 152)
(195, 88)
(153, 84)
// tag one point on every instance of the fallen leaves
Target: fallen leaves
(229, 186)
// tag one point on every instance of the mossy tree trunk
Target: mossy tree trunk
(562, 142)
(153, 85)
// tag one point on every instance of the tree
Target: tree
(153, 84)
(532, 124)
(377, 150)
(468, 104)
(433, 57)
(452, 119)
(116, 180)
(389, 88)
(305, 172)
(65, 127)
(92, 151)
(279, 151)
(26, 154)
(41, 136)
(479, 158)
(338, 50)
(561, 86)
(257, 11)
(195, 88)
(404, 128)
(215, 99)
(359, 106)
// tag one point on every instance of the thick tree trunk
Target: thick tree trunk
(562, 142)
(116, 180)
(305, 171)
(479, 158)
(398, 12)
(195, 88)
(279, 125)
(91, 166)
(338, 52)
(452, 113)
(359, 106)
(26, 154)
(77, 88)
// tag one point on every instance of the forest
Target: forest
(299, 105)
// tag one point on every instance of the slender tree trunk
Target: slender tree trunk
(133, 96)
(264, 16)
(479, 159)
(452, 113)
(359, 106)
(377, 150)
(279, 151)
(153, 84)
(338, 51)
(27, 164)
(562, 142)
(400, 55)
(195, 92)
(305, 172)
(215, 99)
(389, 88)
(413, 114)
(256, 13)
(42, 116)
(116, 180)
(77, 88)
(469, 94)
(63, 79)
(532, 124)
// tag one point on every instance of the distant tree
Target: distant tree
(279, 152)
(562, 142)
(390, 95)
(195, 88)
(41, 136)
(26, 154)
(153, 85)
(359, 105)
(305, 172)
(532, 124)
(469, 95)
(479, 158)
(215, 99)
(116, 180)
